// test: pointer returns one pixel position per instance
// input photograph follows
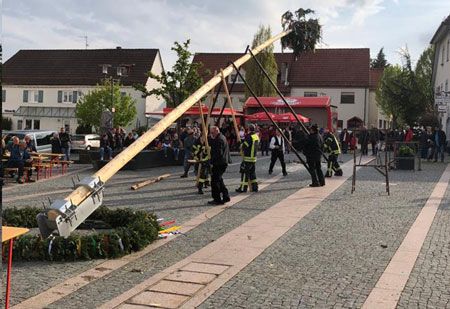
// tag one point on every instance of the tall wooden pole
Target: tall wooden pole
(233, 116)
(106, 172)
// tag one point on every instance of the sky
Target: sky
(215, 26)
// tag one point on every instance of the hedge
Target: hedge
(129, 231)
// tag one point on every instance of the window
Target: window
(3, 95)
(380, 123)
(446, 85)
(36, 124)
(28, 124)
(347, 97)
(33, 96)
(65, 96)
(340, 123)
(233, 75)
(123, 94)
(19, 124)
(310, 94)
(43, 139)
(284, 73)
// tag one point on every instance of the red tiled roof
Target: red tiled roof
(322, 68)
(375, 77)
(76, 67)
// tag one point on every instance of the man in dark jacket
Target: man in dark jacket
(188, 143)
(105, 147)
(56, 143)
(31, 147)
(364, 140)
(20, 158)
(440, 140)
(374, 136)
(313, 153)
(220, 156)
(65, 143)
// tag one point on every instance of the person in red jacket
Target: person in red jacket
(409, 134)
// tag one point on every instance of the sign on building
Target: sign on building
(441, 103)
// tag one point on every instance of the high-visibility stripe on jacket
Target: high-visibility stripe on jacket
(250, 147)
(331, 145)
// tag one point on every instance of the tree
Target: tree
(424, 73)
(380, 61)
(176, 85)
(6, 123)
(404, 93)
(254, 76)
(305, 34)
(91, 106)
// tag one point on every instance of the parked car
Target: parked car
(85, 141)
(41, 139)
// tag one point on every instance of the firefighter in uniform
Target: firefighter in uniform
(200, 152)
(249, 148)
(331, 147)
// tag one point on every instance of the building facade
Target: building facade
(341, 74)
(42, 87)
(441, 70)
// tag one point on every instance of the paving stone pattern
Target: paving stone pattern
(429, 283)
(172, 198)
(123, 279)
(335, 255)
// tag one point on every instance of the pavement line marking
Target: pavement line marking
(71, 285)
(389, 287)
(241, 246)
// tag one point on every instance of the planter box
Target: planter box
(406, 163)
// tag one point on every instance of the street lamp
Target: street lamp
(119, 73)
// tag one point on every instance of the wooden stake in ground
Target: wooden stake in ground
(149, 182)
(205, 140)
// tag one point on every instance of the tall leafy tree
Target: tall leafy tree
(106, 96)
(405, 93)
(380, 61)
(176, 85)
(305, 34)
(424, 73)
(256, 79)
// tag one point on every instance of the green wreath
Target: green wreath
(130, 231)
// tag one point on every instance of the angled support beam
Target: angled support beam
(273, 122)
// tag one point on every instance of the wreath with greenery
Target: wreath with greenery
(128, 231)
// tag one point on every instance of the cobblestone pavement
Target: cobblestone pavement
(331, 258)
(173, 198)
(429, 283)
(335, 255)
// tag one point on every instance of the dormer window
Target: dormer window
(234, 75)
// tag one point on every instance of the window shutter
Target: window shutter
(25, 96)
(59, 96)
(41, 96)
(74, 97)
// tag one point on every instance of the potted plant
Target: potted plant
(405, 158)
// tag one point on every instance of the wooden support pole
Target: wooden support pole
(233, 116)
(113, 166)
(205, 139)
(149, 182)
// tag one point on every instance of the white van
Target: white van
(85, 141)
(41, 139)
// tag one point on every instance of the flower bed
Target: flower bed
(129, 231)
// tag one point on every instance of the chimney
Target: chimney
(118, 47)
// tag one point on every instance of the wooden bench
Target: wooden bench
(64, 165)
(27, 170)
(46, 167)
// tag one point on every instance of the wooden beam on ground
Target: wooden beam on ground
(149, 182)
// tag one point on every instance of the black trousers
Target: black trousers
(217, 186)
(277, 154)
(248, 172)
(316, 172)
(19, 165)
(264, 147)
(333, 164)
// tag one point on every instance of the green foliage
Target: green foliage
(430, 119)
(6, 123)
(404, 93)
(141, 130)
(380, 61)
(405, 151)
(131, 231)
(305, 34)
(84, 129)
(256, 79)
(176, 85)
(91, 106)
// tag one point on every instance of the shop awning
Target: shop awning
(195, 111)
(292, 101)
(287, 117)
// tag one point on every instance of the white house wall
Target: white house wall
(14, 99)
(152, 103)
(359, 109)
(442, 78)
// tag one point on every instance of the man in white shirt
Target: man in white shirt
(277, 147)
